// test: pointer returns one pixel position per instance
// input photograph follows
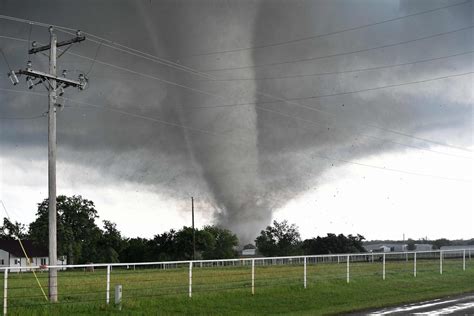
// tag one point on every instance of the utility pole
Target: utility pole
(194, 231)
(52, 98)
(55, 86)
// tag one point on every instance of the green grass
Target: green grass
(227, 290)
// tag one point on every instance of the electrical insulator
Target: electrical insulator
(13, 78)
(30, 82)
(83, 81)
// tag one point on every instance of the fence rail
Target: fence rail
(91, 283)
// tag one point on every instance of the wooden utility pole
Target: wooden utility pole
(53, 252)
(55, 86)
(194, 231)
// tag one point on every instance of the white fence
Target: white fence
(26, 287)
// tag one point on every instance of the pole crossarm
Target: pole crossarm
(43, 75)
(76, 39)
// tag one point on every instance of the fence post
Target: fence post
(190, 279)
(464, 260)
(118, 296)
(440, 262)
(5, 291)
(348, 260)
(107, 292)
(253, 276)
(304, 282)
(414, 264)
(383, 268)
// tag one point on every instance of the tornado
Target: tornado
(228, 156)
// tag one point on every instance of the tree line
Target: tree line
(82, 240)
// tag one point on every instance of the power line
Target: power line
(141, 54)
(390, 169)
(370, 125)
(322, 35)
(46, 25)
(24, 117)
(360, 134)
(320, 74)
(24, 252)
(210, 77)
(290, 101)
(63, 28)
(259, 108)
(29, 37)
(339, 127)
(259, 93)
(282, 77)
(268, 95)
(95, 58)
(113, 45)
(218, 134)
(13, 38)
(336, 94)
(146, 75)
(6, 60)
(87, 104)
(137, 53)
(145, 55)
(21, 91)
(338, 54)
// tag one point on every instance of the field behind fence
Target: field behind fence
(96, 285)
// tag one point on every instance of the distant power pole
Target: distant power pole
(194, 231)
(55, 85)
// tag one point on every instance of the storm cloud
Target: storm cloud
(244, 161)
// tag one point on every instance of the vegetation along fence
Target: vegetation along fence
(26, 288)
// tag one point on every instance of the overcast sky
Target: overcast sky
(257, 109)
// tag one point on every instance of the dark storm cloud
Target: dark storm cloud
(260, 159)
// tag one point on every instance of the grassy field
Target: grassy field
(227, 290)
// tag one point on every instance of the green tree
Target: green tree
(163, 247)
(184, 243)
(211, 242)
(224, 245)
(411, 244)
(137, 250)
(333, 243)
(10, 230)
(281, 239)
(438, 243)
(111, 243)
(78, 234)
